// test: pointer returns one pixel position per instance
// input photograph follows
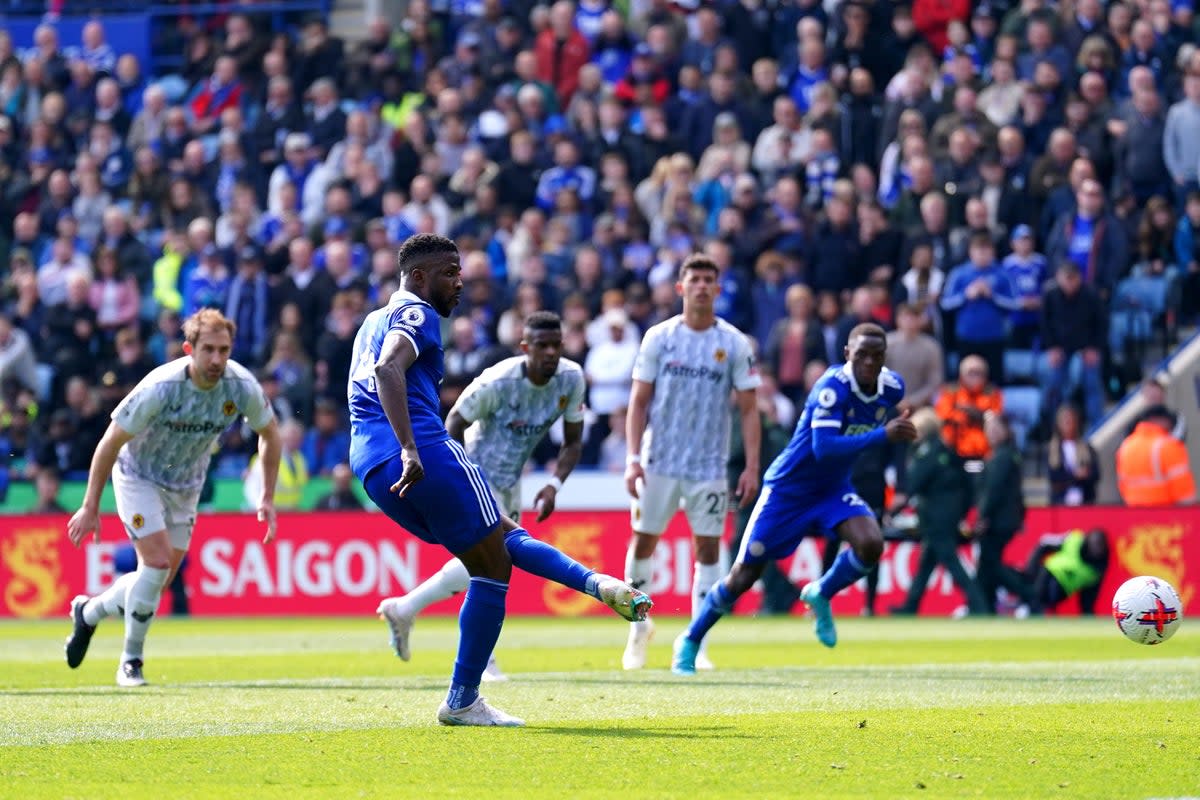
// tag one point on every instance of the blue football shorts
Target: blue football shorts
(451, 506)
(780, 520)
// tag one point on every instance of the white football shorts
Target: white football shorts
(509, 501)
(146, 508)
(706, 504)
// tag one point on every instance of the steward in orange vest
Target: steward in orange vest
(1152, 465)
(963, 406)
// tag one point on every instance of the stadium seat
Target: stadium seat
(1023, 407)
(45, 380)
(1020, 366)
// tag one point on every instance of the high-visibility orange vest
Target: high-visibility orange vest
(962, 434)
(1152, 468)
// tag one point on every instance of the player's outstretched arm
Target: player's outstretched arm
(568, 457)
(635, 427)
(270, 448)
(396, 356)
(747, 485)
(87, 519)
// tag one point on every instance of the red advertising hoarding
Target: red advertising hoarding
(343, 563)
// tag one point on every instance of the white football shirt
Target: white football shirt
(175, 425)
(693, 373)
(509, 415)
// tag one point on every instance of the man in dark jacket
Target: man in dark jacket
(1074, 326)
(942, 492)
(832, 253)
(1140, 164)
(722, 97)
(341, 497)
(1001, 515)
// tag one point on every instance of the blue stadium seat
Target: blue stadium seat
(1020, 366)
(1022, 406)
(45, 380)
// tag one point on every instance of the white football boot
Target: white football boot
(478, 714)
(632, 604)
(392, 612)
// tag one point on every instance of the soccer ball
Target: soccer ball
(1147, 610)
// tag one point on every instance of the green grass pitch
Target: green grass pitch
(320, 708)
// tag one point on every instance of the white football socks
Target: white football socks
(638, 574)
(110, 602)
(448, 581)
(638, 571)
(703, 578)
(141, 602)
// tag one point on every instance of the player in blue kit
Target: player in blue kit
(423, 480)
(808, 486)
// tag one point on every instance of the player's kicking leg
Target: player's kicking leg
(483, 611)
(457, 514)
(546, 561)
(861, 532)
(400, 613)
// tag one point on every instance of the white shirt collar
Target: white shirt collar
(403, 295)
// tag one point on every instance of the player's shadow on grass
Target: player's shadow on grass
(190, 687)
(691, 732)
(667, 679)
(401, 685)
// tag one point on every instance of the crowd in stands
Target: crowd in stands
(1016, 182)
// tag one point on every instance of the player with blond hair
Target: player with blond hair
(157, 450)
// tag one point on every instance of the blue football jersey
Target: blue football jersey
(836, 405)
(372, 441)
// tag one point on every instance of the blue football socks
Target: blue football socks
(717, 603)
(545, 561)
(479, 624)
(846, 570)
